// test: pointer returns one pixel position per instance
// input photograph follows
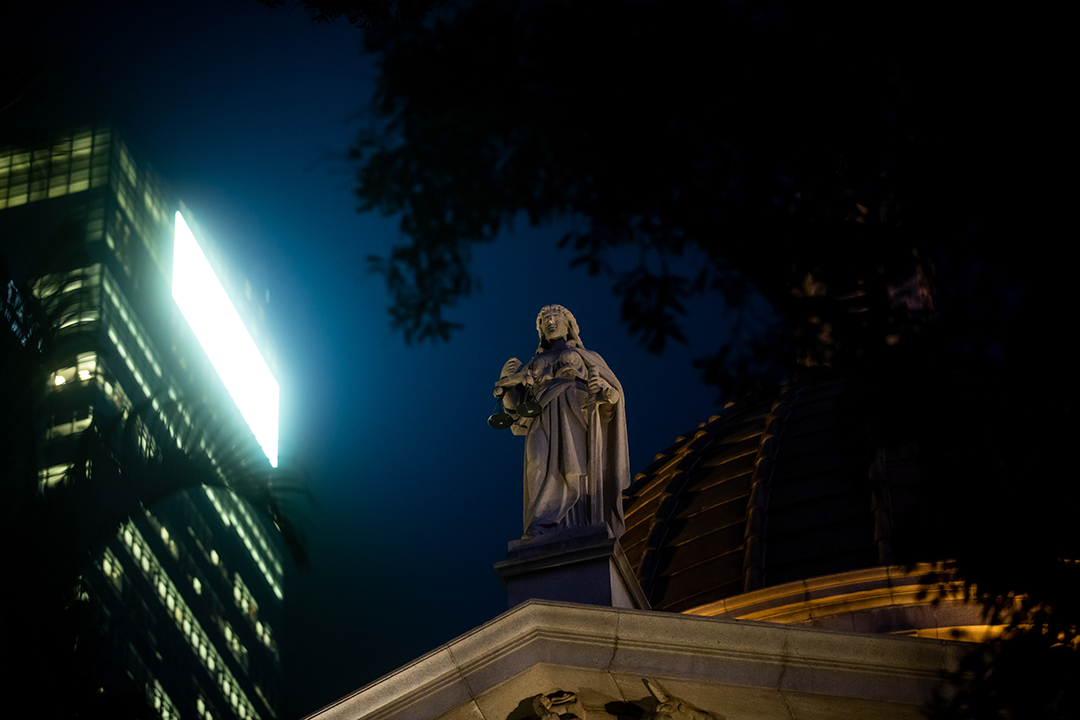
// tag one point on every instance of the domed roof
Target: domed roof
(768, 492)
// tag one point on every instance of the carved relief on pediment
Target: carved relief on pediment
(565, 705)
(559, 705)
(672, 708)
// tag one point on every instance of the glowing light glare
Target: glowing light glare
(221, 332)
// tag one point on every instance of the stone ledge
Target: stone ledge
(741, 669)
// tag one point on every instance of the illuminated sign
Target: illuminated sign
(222, 334)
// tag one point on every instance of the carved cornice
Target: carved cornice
(742, 669)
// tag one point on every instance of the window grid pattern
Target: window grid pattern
(232, 640)
(140, 197)
(112, 569)
(202, 706)
(160, 701)
(232, 513)
(251, 535)
(71, 164)
(71, 421)
(249, 607)
(53, 475)
(185, 620)
(128, 318)
(73, 298)
(84, 370)
(76, 163)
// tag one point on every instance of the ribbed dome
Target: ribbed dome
(766, 493)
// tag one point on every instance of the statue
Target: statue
(569, 406)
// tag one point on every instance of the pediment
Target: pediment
(732, 670)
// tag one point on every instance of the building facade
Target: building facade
(189, 592)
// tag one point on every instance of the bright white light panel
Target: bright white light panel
(221, 332)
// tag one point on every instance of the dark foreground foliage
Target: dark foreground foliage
(883, 175)
(792, 150)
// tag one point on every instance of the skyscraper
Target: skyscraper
(189, 592)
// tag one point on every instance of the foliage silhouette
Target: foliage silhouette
(361, 13)
(779, 146)
(870, 171)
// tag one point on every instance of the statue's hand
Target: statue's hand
(601, 389)
(512, 366)
(597, 384)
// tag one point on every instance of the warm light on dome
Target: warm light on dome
(222, 334)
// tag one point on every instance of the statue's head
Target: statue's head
(555, 321)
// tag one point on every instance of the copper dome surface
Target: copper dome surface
(768, 492)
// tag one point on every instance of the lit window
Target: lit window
(59, 380)
(70, 427)
(87, 362)
(50, 476)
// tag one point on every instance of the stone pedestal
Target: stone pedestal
(580, 564)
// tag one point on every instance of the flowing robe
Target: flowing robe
(576, 457)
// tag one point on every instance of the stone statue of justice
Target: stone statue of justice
(569, 406)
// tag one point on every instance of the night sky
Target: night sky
(248, 113)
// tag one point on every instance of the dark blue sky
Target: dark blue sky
(247, 114)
